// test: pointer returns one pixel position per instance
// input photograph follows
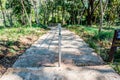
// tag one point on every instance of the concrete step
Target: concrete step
(65, 72)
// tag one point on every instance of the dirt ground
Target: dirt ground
(9, 53)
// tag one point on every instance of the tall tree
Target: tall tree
(91, 7)
(25, 11)
(3, 13)
(35, 7)
(20, 9)
(101, 20)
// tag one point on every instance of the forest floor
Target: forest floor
(14, 42)
(79, 61)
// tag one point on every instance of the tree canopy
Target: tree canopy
(81, 12)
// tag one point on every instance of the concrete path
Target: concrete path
(79, 62)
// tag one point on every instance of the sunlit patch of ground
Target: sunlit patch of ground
(14, 42)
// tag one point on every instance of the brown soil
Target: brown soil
(11, 50)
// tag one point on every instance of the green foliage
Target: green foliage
(117, 56)
(100, 42)
(15, 33)
(18, 9)
(104, 35)
(9, 43)
(116, 66)
(92, 44)
(17, 6)
(93, 38)
(66, 12)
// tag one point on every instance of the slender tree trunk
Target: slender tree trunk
(90, 18)
(45, 12)
(52, 15)
(101, 20)
(36, 15)
(62, 16)
(29, 20)
(52, 12)
(10, 19)
(78, 17)
(36, 12)
(44, 16)
(74, 21)
(63, 12)
(90, 11)
(55, 15)
(3, 14)
(55, 12)
(40, 6)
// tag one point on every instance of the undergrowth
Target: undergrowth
(14, 39)
(101, 42)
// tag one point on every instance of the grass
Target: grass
(12, 36)
(15, 33)
(14, 42)
(100, 42)
(89, 34)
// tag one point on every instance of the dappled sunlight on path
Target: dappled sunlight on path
(79, 61)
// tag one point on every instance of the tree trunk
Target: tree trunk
(90, 11)
(10, 19)
(89, 14)
(36, 12)
(79, 17)
(26, 13)
(45, 12)
(52, 15)
(101, 20)
(74, 22)
(63, 12)
(89, 18)
(3, 14)
(44, 17)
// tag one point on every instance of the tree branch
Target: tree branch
(95, 6)
(83, 3)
